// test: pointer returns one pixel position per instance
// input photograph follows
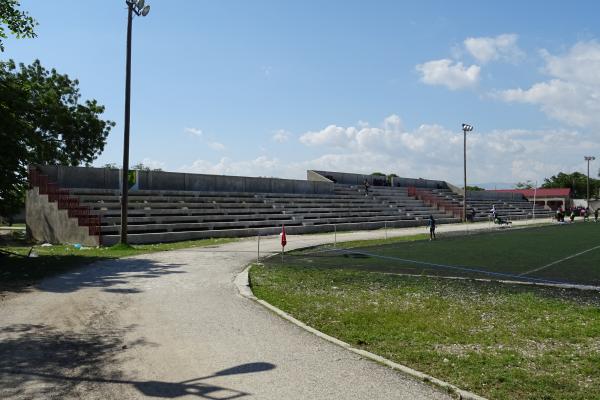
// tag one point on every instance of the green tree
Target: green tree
(525, 185)
(141, 167)
(474, 188)
(576, 181)
(42, 120)
(19, 23)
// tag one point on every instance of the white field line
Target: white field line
(559, 261)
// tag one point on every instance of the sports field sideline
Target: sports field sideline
(568, 253)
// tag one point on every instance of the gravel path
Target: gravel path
(173, 325)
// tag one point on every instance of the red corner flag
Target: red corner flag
(283, 238)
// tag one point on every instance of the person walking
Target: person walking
(431, 224)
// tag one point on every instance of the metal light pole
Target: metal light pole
(588, 159)
(466, 128)
(139, 9)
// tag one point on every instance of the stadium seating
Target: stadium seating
(160, 216)
(175, 215)
(513, 209)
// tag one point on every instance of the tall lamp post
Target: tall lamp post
(466, 128)
(138, 8)
(588, 159)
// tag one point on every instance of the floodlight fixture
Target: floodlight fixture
(467, 127)
(140, 4)
(145, 11)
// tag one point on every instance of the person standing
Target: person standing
(431, 224)
(596, 215)
(366, 183)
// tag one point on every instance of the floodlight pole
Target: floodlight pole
(465, 174)
(466, 128)
(138, 8)
(588, 159)
(125, 177)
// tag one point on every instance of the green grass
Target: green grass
(16, 273)
(511, 251)
(500, 341)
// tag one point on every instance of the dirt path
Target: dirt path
(172, 325)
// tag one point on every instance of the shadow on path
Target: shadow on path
(108, 273)
(37, 361)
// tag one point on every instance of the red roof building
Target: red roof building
(550, 198)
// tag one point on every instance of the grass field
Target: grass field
(513, 254)
(502, 341)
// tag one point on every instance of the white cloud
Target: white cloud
(216, 146)
(193, 131)
(282, 136)
(428, 151)
(445, 72)
(502, 47)
(433, 151)
(572, 94)
(260, 166)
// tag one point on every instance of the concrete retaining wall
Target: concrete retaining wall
(46, 223)
(493, 195)
(103, 178)
(358, 179)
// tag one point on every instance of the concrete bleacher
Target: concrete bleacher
(165, 207)
(513, 208)
(160, 216)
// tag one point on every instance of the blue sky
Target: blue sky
(272, 88)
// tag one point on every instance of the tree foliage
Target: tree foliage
(525, 185)
(19, 23)
(475, 188)
(42, 120)
(576, 181)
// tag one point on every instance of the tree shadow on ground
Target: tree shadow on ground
(115, 276)
(38, 361)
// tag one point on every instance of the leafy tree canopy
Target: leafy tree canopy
(576, 181)
(43, 121)
(525, 185)
(19, 23)
(474, 188)
(137, 167)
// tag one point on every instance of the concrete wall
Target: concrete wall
(455, 189)
(316, 177)
(103, 178)
(358, 179)
(82, 177)
(492, 195)
(46, 223)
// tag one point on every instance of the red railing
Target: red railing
(434, 201)
(66, 202)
